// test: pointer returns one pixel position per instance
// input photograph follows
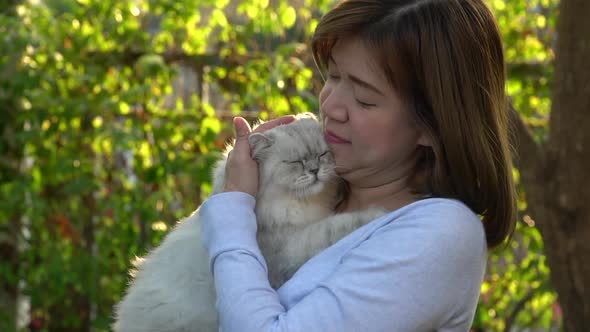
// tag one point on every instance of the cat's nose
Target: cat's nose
(314, 171)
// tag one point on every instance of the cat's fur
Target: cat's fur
(172, 287)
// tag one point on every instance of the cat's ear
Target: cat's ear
(259, 144)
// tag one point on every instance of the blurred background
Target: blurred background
(112, 113)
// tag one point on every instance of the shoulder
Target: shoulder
(431, 253)
(439, 237)
(435, 227)
(440, 215)
(439, 207)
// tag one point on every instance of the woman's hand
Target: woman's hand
(241, 171)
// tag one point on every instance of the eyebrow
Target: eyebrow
(359, 81)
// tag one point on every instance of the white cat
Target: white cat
(172, 288)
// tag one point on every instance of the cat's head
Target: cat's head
(295, 157)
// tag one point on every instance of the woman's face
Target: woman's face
(372, 136)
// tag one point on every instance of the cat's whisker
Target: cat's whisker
(301, 192)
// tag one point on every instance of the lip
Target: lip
(333, 138)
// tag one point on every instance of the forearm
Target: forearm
(239, 270)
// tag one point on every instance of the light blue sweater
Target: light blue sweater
(418, 268)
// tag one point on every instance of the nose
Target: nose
(312, 166)
(333, 103)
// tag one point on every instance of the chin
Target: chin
(310, 190)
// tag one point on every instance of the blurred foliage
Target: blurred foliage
(107, 139)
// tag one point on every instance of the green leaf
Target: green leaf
(288, 17)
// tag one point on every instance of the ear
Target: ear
(259, 144)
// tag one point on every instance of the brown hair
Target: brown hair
(445, 60)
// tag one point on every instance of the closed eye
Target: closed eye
(365, 105)
(333, 77)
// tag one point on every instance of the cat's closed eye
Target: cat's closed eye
(291, 161)
(310, 157)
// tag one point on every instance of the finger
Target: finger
(273, 123)
(242, 128)
(241, 149)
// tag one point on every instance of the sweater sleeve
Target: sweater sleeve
(407, 276)
(239, 271)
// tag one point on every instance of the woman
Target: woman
(414, 110)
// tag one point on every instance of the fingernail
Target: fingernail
(239, 126)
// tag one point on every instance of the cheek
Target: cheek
(383, 133)
(325, 93)
(289, 172)
(400, 142)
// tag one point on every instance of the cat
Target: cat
(172, 288)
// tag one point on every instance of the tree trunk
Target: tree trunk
(555, 174)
